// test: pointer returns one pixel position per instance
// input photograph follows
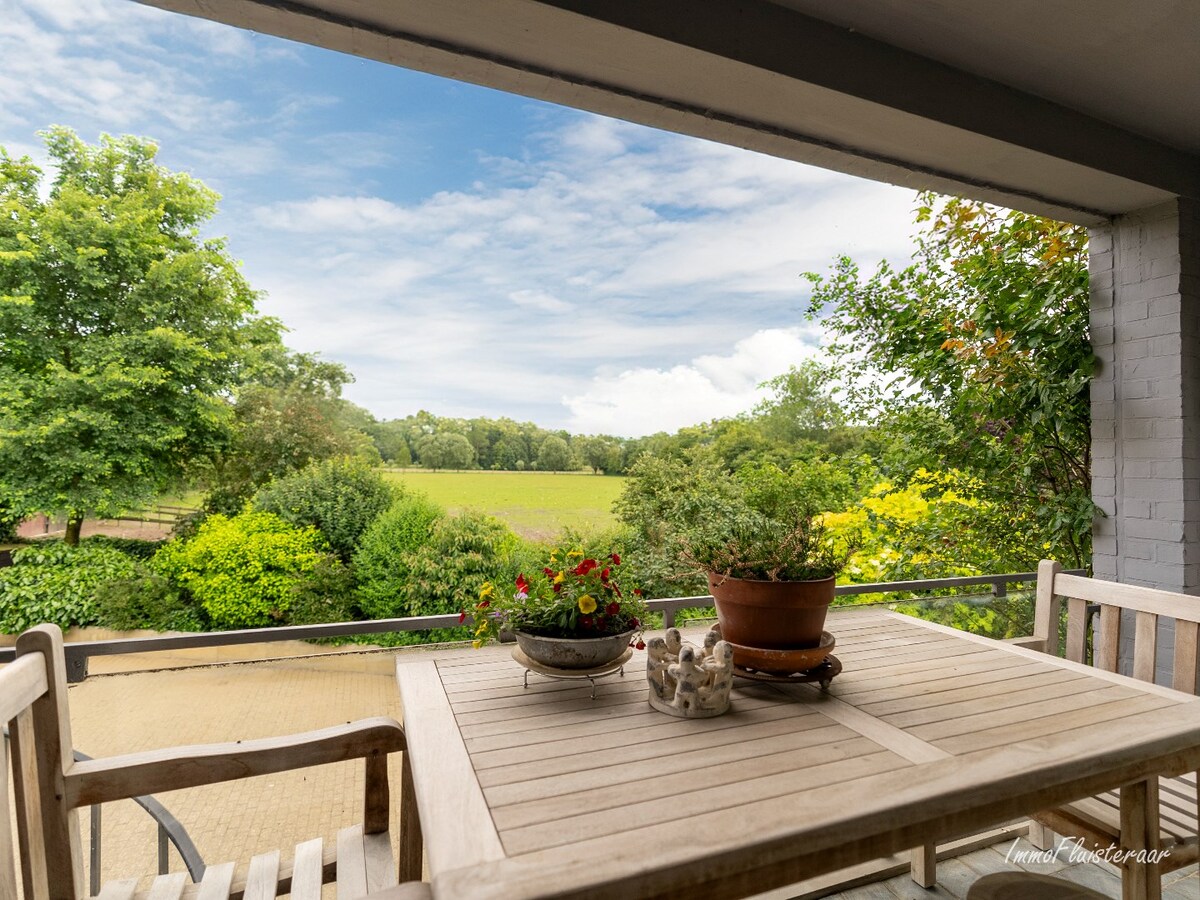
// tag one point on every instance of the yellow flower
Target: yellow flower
(587, 604)
(575, 554)
(476, 644)
(487, 591)
(558, 578)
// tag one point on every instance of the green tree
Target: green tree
(989, 329)
(289, 416)
(447, 451)
(555, 455)
(602, 453)
(121, 328)
(801, 405)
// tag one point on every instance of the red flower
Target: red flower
(462, 617)
(557, 588)
(636, 623)
(484, 604)
(640, 645)
(613, 608)
(638, 591)
(616, 560)
(522, 584)
(548, 572)
(604, 574)
(585, 621)
(584, 567)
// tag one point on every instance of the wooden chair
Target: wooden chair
(1096, 821)
(50, 787)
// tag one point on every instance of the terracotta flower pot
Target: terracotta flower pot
(777, 615)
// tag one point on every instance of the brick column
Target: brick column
(1145, 320)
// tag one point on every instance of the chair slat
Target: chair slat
(216, 883)
(380, 863)
(1076, 630)
(29, 811)
(124, 889)
(8, 861)
(168, 887)
(1108, 638)
(1145, 646)
(306, 870)
(263, 877)
(411, 839)
(1187, 656)
(351, 864)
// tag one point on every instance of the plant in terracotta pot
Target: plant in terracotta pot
(572, 614)
(772, 578)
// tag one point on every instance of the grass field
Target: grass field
(534, 504)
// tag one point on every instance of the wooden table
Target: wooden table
(928, 733)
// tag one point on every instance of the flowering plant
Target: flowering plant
(576, 596)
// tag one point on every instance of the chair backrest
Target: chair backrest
(1147, 606)
(33, 701)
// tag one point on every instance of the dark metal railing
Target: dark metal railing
(170, 831)
(79, 652)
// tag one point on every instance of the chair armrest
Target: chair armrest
(135, 774)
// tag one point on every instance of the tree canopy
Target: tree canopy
(122, 328)
(980, 351)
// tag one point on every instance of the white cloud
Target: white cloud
(534, 299)
(622, 266)
(650, 279)
(646, 400)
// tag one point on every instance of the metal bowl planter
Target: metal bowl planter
(573, 653)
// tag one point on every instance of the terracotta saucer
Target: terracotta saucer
(783, 662)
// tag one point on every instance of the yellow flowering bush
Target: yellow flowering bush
(576, 595)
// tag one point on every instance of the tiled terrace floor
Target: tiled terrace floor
(126, 711)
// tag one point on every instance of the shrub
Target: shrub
(404, 527)
(10, 519)
(51, 582)
(135, 548)
(443, 574)
(148, 601)
(341, 497)
(326, 594)
(241, 570)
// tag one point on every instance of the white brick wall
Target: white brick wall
(1145, 322)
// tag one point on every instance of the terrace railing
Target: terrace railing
(79, 652)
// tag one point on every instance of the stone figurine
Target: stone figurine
(689, 682)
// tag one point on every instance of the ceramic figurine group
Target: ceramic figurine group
(686, 681)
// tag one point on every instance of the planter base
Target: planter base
(824, 674)
(616, 667)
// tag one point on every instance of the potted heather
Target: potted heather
(772, 578)
(573, 614)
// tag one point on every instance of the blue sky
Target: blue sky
(462, 250)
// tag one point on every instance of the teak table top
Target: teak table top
(927, 733)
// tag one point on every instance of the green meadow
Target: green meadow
(536, 505)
